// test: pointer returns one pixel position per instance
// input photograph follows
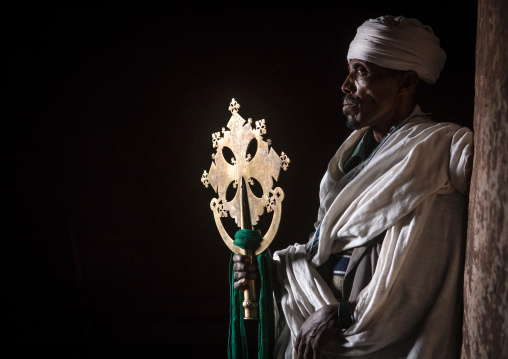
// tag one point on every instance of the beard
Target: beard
(351, 122)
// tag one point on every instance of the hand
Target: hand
(243, 270)
(316, 332)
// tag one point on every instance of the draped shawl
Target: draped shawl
(414, 188)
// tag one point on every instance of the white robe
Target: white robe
(413, 187)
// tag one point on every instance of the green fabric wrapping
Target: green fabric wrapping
(237, 348)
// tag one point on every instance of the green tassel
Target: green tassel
(237, 348)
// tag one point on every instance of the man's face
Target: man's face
(371, 94)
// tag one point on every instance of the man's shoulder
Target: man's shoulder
(425, 122)
(424, 129)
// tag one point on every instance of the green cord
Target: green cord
(237, 348)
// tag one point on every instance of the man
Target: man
(382, 275)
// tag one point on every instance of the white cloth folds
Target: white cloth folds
(414, 188)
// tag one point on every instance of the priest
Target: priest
(381, 276)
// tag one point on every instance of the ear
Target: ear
(408, 82)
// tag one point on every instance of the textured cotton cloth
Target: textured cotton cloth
(412, 188)
(399, 43)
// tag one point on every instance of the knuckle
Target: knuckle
(243, 259)
(239, 275)
(239, 267)
(239, 284)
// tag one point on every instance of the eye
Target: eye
(360, 71)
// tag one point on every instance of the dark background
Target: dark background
(111, 244)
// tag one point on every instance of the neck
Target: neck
(380, 131)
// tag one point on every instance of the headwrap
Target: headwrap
(399, 43)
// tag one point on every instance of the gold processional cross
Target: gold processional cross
(262, 166)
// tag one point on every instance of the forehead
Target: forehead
(352, 63)
(372, 67)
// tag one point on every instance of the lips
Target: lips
(349, 101)
(352, 106)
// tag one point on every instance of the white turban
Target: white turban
(399, 43)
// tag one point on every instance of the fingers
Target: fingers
(305, 350)
(241, 258)
(248, 274)
(241, 279)
(241, 284)
(307, 347)
(244, 270)
(299, 347)
(302, 350)
(297, 342)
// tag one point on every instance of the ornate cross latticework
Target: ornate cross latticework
(243, 153)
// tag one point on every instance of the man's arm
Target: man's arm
(316, 332)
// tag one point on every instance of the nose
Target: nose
(348, 87)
